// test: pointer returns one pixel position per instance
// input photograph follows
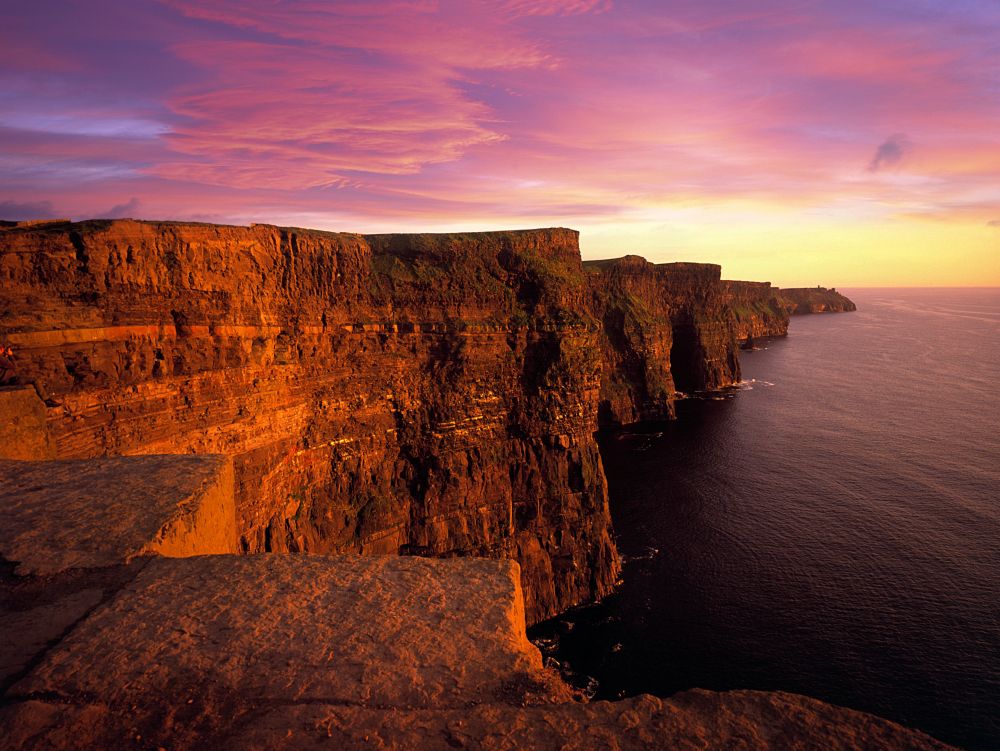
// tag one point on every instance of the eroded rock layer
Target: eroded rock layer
(427, 394)
(419, 394)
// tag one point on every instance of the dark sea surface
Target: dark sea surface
(833, 529)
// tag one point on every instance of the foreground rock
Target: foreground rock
(61, 515)
(23, 431)
(354, 652)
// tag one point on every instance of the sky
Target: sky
(835, 142)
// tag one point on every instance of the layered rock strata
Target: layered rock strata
(431, 394)
(427, 394)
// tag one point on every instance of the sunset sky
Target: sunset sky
(835, 142)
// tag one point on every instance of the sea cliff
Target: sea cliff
(416, 394)
(192, 397)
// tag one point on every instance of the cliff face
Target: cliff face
(704, 356)
(667, 328)
(758, 309)
(816, 300)
(637, 382)
(421, 394)
(428, 394)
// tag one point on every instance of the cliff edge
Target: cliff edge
(194, 396)
(431, 394)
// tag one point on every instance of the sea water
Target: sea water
(832, 528)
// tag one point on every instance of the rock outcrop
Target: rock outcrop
(352, 652)
(23, 431)
(802, 300)
(89, 513)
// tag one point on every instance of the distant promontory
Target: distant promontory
(803, 300)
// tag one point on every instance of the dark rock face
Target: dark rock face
(758, 309)
(636, 379)
(421, 394)
(803, 300)
(672, 327)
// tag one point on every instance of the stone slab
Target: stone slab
(23, 430)
(67, 514)
(313, 652)
(373, 631)
(694, 720)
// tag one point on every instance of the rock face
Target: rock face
(423, 394)
(671, 327)
(276, 651)
(431, 394)
(816, 300)
(758, 309)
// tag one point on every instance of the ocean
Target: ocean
(832, 528)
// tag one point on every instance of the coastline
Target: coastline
(164, 324)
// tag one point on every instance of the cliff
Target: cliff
(668, 328)
(758, 309)
(188, 392)
(432, 394)
(803, 300)
(415, 394)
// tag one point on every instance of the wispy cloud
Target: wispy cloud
(556, 7)
(29, 210)
(890, 152)
(122, 210)
(501, 111)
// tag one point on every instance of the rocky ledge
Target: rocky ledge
(350, 652)
(305, 651)
(184, 394)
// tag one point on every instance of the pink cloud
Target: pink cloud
(281, 116)
(426, 110)
(556, 7)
